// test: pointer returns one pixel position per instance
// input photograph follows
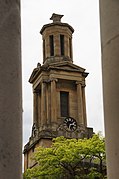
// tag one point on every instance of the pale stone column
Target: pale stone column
(53, 101)
(66, 45)
(57, 45)
(84, 104)
(44, 49)
(10, 91)
(48, 103)
(70, 48)
(39, 109)
(109, 14)
(80, 103)
(47, 46)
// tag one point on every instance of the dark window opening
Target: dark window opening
(64, 104)
(62, 44)
(51, 38)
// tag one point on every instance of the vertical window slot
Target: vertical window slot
(62, 44)
(64, 103)
(51, 38)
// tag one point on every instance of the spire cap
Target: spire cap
(56, 17)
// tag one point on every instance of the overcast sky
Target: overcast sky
(83, 16)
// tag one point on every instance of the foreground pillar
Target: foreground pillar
(109, 14)
(10, 91)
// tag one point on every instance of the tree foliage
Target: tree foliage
(70, 159)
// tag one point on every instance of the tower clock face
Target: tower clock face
(70, 124)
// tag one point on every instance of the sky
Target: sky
(83, 16)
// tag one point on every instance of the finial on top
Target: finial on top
(56, 17)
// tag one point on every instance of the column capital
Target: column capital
(46, 81)
(50, 80)
(54, 79)
(82, 83)
(78, 82)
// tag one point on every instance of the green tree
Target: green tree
(70, 159)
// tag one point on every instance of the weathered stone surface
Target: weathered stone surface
(58, 74)
(10, 91)
(109, 13)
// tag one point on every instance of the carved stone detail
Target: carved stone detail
(34, 130)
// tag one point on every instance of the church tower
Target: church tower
(58, 91)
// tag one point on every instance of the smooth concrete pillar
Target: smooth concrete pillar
(10, 91)
(109, 18)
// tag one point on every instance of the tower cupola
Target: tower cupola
(57, 41)
(59, 105)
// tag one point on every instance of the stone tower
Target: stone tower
(58, 91)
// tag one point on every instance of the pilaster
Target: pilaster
(56, 45)
(43, 104)
(47, 47)
(35, 107)
(84, 104)
(66, 45)
(53, 101)
(80, 103)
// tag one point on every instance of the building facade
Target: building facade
(58, 91)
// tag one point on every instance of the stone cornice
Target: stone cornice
(62, 66)
(56, 24)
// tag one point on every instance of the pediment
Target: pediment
(66, 66)
(61, 66)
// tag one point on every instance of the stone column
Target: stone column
(79, 103)
(84, 104)
(70, 48)
(109, 16)
(57, 45)
(48, 103)
(47, 46)
(43, 104)
(53, 101)
(66, 45)
(39, 108)
(35, 107)
(10, 91)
